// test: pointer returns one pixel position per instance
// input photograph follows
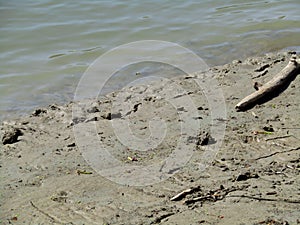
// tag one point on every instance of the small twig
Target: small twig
(267, 199)
(162, 217)
(182, 194)
(280, 137)
(215, 195)
(201, 198)
(275, 153)
(44, 213)
(291, 128)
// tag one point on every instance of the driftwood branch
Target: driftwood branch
(282, 79)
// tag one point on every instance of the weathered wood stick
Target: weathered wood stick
(281, 79)
(182, 194)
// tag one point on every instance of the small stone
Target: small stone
(77, 120)
(268, 128)
(205, 138)
(54, 107)
(11, 135)
(71, 145)
(110, 116)
(38, 112)
(236, 61)
(93, 109)
(246, 176)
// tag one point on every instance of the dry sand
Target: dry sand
(254, 178)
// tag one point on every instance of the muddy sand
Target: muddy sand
(198, 162)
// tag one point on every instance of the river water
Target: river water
(47, 45)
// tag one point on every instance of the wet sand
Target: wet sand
(252, 177)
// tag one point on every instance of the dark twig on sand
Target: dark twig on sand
(267, 199)
(213, 195)
(280, 137)
(162, 217)
(273, 87)
(46, 214)
(275, 153)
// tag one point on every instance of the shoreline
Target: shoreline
(253, 177)
(20, 112)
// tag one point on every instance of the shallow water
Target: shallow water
(47, 45)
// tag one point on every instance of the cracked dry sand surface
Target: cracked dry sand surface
(253, 179)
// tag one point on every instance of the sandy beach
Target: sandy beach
(250, 173)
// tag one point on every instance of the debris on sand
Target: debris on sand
(11, 135)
